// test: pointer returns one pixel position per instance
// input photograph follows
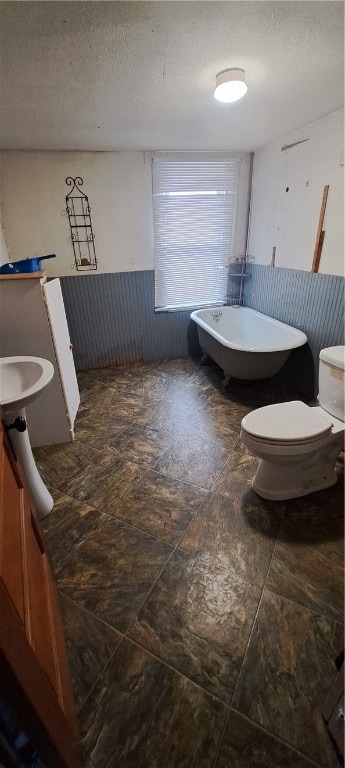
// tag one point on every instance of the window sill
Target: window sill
(190, 308)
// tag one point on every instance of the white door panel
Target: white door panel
(60, 335)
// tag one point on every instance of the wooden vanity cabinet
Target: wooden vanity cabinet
(34, 676)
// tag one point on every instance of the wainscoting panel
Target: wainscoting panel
(314, 303)
(112, 321)
(103, 319)
(163, 334)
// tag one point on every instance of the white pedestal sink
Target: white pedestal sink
(21, 380)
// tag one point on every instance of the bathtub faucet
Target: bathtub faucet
(216, 316)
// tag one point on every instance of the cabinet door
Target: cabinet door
(34, 678)
(11, 512)
(61, 340)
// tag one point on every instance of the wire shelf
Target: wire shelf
(236, 302)
(237, 272)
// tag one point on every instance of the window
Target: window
(194, 209)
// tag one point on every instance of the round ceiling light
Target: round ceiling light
(230, 85)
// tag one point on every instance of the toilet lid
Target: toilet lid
(287, 422)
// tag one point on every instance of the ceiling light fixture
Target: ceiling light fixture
(230, 85)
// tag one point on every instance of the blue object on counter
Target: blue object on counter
(26, 265)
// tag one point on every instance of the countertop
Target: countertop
(23, 275)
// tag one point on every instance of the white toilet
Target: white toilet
(297, 444)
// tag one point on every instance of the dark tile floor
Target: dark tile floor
(202, 622)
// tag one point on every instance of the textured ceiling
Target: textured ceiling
(140, 75)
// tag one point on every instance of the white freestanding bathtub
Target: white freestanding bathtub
(245, 343)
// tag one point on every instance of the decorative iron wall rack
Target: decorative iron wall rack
(79, 216)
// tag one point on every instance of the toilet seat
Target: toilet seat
(291, 423)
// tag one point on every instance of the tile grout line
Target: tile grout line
(228, 707)
(176, 547)
(257, 611)
(162, 399)
(173, 549)
(176, 671)
(277, 738)
(79, 714)
(111, 516)
(172, 477)
(149, 591)
(232, 707)
(214, 764)
(306, 607)
(169, 666)
(124, 635)
(89, 613)
(179, 480)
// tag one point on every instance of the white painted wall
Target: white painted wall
(4, 257)
(118, 185)
(289, 220)
(119, 188)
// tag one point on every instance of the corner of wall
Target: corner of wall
(4, 254)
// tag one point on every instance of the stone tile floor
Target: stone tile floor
(202, 622)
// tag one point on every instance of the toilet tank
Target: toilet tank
(331, 381)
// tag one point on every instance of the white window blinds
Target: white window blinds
(194, 209)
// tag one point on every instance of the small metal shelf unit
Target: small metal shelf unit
(237, 274)
(79, 216)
